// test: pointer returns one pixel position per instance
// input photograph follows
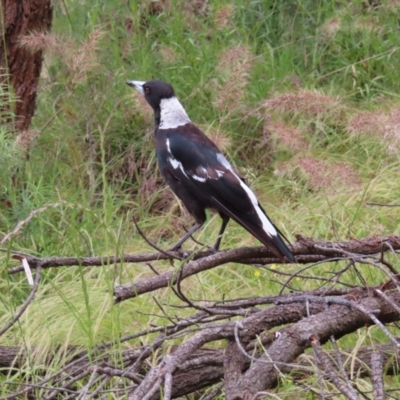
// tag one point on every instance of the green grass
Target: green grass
(344, 51)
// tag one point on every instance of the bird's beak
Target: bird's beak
(138, 85)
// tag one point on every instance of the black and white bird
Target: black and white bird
(200, 175)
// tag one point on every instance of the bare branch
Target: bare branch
(346, 390)
(306, 251)
(377, 376)
(257, 355)
(26, 303)
(168, 386)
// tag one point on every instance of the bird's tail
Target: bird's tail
(274, 242)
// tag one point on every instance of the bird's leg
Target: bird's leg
(225, 221)
(189, 233)
(194, 240)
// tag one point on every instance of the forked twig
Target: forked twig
(347, 391)
(26, 303)
(150, 243)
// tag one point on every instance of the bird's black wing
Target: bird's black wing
(194, 160)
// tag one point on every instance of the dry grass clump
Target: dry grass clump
(142, 107)
(392, 5)
(79, 58)
(330, 27)
(84, 58)
(220, 138)
(340, 22)
(310, 103)
(25, 138)
(156, 7)
(190, 9)
(39, 41)
(290, 136)
(320, 175)
(168, 54)
(223, 16)
(392, 131)
(235, 66)
(368, 24)
(382, 124)
(367, 122)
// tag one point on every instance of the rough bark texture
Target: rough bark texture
(206, 366)
(265, 336)
(21, 66)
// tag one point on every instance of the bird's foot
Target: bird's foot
(214, 249)
(177, 247)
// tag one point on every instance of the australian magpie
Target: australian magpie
(200, 175)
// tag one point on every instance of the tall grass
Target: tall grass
(302, 96)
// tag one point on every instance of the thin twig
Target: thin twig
(272, 362)
(377, 375)
(85, 389)
(382, 204)
(340, 361)
(347, 303)
(319, 372)
(26, 303)
(268, 394)
(33, 213)
(387, 299)
(153, 390)
(150, 243)
(216, 391)
(168, 386)
(348, 392)
(99, 388)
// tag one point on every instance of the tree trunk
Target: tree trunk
(20, 66)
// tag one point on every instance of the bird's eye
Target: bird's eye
(147, 90)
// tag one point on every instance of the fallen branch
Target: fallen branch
(257, 354)
(304, 250)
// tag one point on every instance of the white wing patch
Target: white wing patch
(202, 174)
(168, 148)
(266, 223)
(176, 164)
(268, 228)
(172, 114)
(223, 161)
(198, 178)
(201, 171)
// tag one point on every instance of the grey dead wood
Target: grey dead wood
(337, 320)
(206, 367)
(255, 323)
(377, 375)
(234, 364)
(324, 359)
(306, 250)
(302, 248)
(259, 321)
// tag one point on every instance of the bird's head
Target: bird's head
(168, 111)
(153, 91)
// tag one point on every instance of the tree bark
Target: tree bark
(206, 366)
(20, 66)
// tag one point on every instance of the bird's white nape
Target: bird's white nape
(172, 114)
